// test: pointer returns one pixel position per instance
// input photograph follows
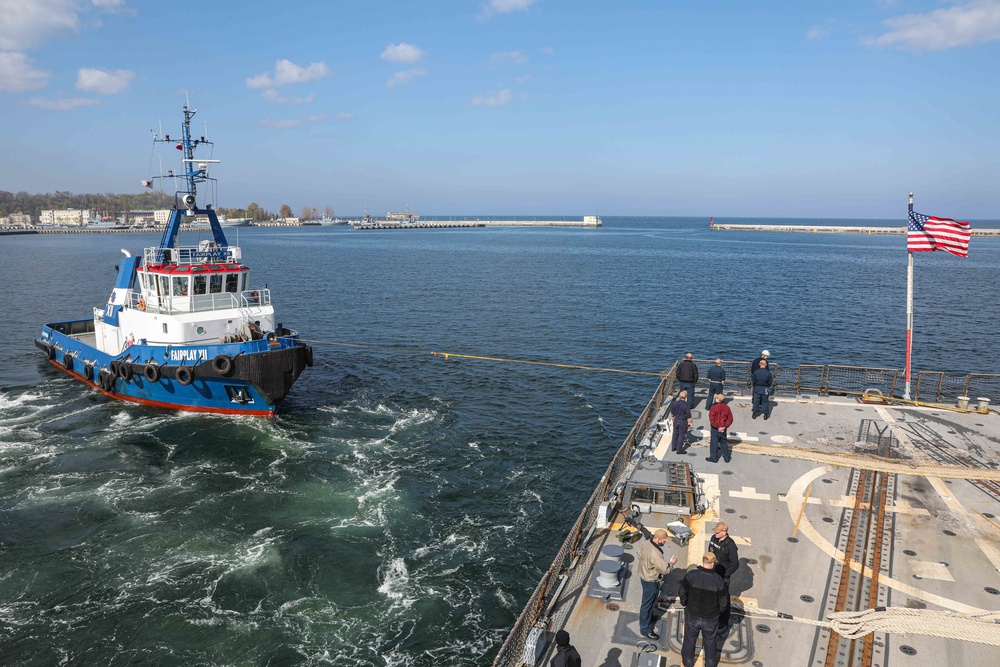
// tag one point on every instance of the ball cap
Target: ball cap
(765, 353)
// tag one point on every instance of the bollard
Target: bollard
(607, 573)
(963, 402)
(984, 405)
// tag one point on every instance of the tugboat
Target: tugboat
(183, 328)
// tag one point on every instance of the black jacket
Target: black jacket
(687, 372)
(727, 558)
(704, 593)
(566, 656)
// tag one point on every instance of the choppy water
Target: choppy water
(401, 507)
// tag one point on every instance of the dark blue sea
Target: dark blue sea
(401, 507)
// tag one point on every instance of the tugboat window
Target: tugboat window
(215, 284)
(233, 282)
(164, 284)
(199, 285)
(180, 285)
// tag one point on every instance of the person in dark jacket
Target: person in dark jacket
(763, 381)
(764, 356)
(687, 376)
(704, 596)
(566, 655)
(681, 412)
(716, 380)
(727, 560)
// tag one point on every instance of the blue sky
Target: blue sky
(631, 107)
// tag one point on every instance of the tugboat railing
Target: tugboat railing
(199, 303)
(185, 255)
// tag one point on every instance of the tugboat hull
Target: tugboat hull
(246, 378)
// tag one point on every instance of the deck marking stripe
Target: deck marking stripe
(795, 495)
(750, 493)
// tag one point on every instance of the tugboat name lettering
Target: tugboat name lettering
(188, 355)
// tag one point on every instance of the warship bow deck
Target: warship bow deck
(836, 504)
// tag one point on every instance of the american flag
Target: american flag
(927, 234)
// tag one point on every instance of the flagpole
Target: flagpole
(909, 307)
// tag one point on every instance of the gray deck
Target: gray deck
(940, 538)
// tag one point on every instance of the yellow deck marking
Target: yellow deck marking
(845, 501)
(812, 501)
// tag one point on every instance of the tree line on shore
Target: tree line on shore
(113, 205)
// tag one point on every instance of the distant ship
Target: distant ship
(183, 327)
(236, 222)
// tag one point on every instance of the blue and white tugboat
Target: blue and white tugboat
(183, 328)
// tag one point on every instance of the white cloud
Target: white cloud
(970, 23)
(345, 116)
(286, 72)
(498, 100)
(505, 6)
(271, 95)
(818, 32)
(28, 23)
(503, 57)
(108, 4)
(402, 53)
(285, 123)
(17, 73)
(64, 104)
(400, 78)
(102, 82)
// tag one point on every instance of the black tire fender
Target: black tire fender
(151, 372)
(68, 361)
(125, 371)
(223, 365)
(184, 375)
(50, 352)
(88, 372)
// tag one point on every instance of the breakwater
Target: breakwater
(830, 229)
(589, 221)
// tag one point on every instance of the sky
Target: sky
(563, 107)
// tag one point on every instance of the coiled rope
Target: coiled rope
(454, 355)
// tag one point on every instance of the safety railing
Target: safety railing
(171, 305)
(255, 297)
(930, 386)
(512, 651)
(206, 253)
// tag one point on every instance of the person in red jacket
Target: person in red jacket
(720, 418)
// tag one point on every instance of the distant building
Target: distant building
(65, 217)
(594, 220)
(16, 220)
(405, 216)
(146, 217)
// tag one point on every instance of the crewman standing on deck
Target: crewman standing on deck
(720, 418)
(653, 566)
(763, 382)
(716, 380)
(681, 412)
(727, 560)
(705, 598)
(687, 376)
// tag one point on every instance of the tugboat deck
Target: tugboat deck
(822, 497)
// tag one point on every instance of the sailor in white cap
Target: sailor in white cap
(756, 363)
